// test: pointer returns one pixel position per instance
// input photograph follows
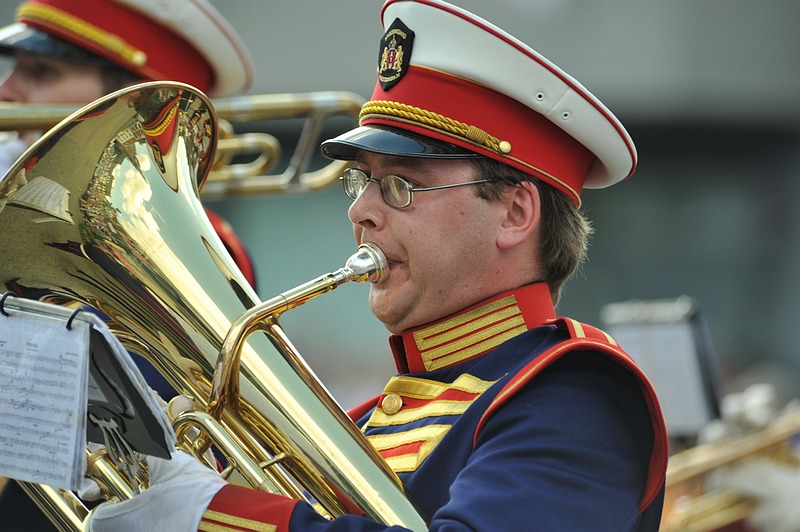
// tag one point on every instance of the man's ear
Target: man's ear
(521, 216)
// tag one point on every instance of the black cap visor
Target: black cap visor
(387, 140)
(22, 38)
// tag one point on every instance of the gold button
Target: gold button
(392, 404)
(505, 146)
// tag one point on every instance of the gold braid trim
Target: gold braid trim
(71, 24)
(409, 114)
(435, 121)
(231, 523)
(163, 125)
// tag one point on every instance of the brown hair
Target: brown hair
(564, 230)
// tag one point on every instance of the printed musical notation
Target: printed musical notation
(43, 372)
(63, 382)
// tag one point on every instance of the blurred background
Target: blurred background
(710, 92)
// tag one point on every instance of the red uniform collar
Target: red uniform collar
(473, 331)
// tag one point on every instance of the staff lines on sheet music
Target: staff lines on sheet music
(32, 407)
(25, 384)
(23, 430)
(43, 450)
(14, 357)
(45, 472)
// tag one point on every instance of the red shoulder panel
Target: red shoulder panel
(584, 336)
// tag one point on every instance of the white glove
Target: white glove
(180, 491)
(775, 486)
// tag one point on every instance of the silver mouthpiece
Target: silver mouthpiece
(368, 264)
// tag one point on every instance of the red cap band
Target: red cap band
(123, 36)
(442, 106)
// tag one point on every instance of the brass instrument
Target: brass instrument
(693, 500)
(258, 152)
(104, 211)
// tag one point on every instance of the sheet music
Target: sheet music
(43, 371)
(56, 371)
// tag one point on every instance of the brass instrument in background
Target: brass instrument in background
(694, 502)
(258, 153)
(104, 211)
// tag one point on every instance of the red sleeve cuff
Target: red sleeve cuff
(239, 508)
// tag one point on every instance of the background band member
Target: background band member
(75, 52)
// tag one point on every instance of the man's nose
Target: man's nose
(9, 91)
(366, 209)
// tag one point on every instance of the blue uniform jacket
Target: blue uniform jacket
(505, 418)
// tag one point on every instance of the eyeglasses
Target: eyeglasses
(396, 191)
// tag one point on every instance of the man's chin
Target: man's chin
(380, 303)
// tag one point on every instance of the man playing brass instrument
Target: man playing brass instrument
(467, 171)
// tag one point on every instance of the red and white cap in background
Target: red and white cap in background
(175, 40)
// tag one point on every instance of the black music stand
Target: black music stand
(669, 340)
